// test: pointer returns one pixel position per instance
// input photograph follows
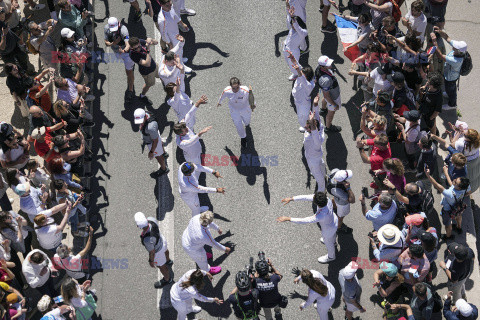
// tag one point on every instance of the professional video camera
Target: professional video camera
(261, 266)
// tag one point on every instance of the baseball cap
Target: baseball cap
(325, 61)
(140, 220)
(139, 115)
(113, 24)
(427, 238)
(414, 219)
(342, 175)
(384, 97)
(44, 303)
(460, 251)
(412, 115)
(349, 271)
(390, 269)
(38, 133)
(464, 307)
(459, 45)
(385, 69)
(397, 77)
(67, 33)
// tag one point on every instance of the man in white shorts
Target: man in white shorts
(156, 245)
(152, 139)
(339, 187)
(116, 36)
(240, 106)
(331, 92)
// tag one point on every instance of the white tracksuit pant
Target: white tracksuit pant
(317, 169)
(323, 307)
(193, 202)
(296, 54)
(183, 308)
(199, 255)
(178, 5)
(241, 118)
(303, 111)
(329, 237)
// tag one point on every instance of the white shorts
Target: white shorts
(160, 258)
(338, 101)
(159, 150)
(343, 210)
(129, 64)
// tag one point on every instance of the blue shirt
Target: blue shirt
(381, 217)
(451, 196)
(453, 172)
(452, 67)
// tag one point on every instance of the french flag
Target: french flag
(348, 34)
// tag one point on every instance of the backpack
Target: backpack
(428, 200)
(30, 46)
(153, 232)
(467, 65)
(396, 12)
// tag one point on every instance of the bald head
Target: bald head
(36, 112)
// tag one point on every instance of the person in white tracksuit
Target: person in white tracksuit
(319, 290)
(197, 235)
(301, 92)
(179, 6)
(313, 139)
(301, 12)
(178, 99)
(186, 289)
(324, 216)
(189, 188)
(240, 106)
(187, 140)
(295, 39)
(171, 66)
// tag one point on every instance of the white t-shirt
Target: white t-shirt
(48, 237)
(12, 155)
(73, 265)
(461, 147)
(419, 24)
(379, 82)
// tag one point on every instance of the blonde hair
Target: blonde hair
(380, 120)
(206, 218)
(40, 219)
(59, 109)
(459, 159)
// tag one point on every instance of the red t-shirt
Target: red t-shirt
(42, 148)
(377, 156)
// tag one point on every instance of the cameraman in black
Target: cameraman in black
(244, 299)
(267, 286)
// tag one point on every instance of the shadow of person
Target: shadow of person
(336, 151)
(136, 29)
(164, 195)
(218, 311)
(276, 41)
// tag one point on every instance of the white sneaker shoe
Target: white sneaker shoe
(89, 97)
(292, 77)
(39, 6)
(188, 12)
(325, 259)
(184, 60)
(187, 69)
(196, 309)
(301, 129)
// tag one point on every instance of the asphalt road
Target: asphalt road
(231, 39)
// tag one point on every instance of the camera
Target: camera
(261, 266)
(365, 192)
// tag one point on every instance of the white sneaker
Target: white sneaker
(39, 6)
(301, 129)
(196, 309)
(315, 305)
(184, 60)
(188, 12)
(292, 77)
(321, 240)
(89, 97)
(325, 259)
(447, 107)
(187, 69)
(12, 200)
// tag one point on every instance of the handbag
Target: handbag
(458, 207)
(85, 313)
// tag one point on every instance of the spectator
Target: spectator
(14, 228)
(75, 116)
(363, 32)
(18, 82)
(379, 10)
(411, 136)
(42, 137)
(458, 266)
(351, 290)
(50, 310)
(41, 95)
(391, 244)
(415, 20)
(429, 241)
(74, 265)
(387, 27)
(468, 143)
(71, 17)
(41, 39)
(457, 166)
(402, 98)
(389, 282)
(71, 92)
(453, 64)
(430, 102)
(37, 269)
(5, 204)
(10, 50)
(379, 124)
(49, 234)
(462, 310)
(30, 197)
(66, 195)
(380, 152)
(61, 170)
(68, 153)
(75, 294)
(382, 106)
(414, 265)
(452, 199)
(383, 212)
(412, 76)
(14, 152)
(427, 158)
(38, 118)
(422, 302)
(73, 46)
(395, 173)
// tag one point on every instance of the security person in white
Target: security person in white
(187, 140)
(240, 105)
(324, 216)
(313, 138)
(156, 245)
(189, 188)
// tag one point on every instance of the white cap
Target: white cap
(349, 271)
(113, 24)
(38, 132)
(140, 220)
(342, 175)
(139, 115)
(464, 307)
(459, 45)
(325, 61)
(67, 33)
(44, 303)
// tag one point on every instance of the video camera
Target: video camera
(261, 266)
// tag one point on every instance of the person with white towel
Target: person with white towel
(324, 216)
(197, 235)
(186, 289)
(189, 188)
(319, 290)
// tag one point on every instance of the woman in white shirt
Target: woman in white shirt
(74, 294)
(468, 143)
(14, 228)
(30, 197)
(319, 290)
(197, 235)
(379, 9)
(186, 289)
(49, 234)
(295, 38)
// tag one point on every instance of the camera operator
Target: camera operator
(267, 286)
(244, 299)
